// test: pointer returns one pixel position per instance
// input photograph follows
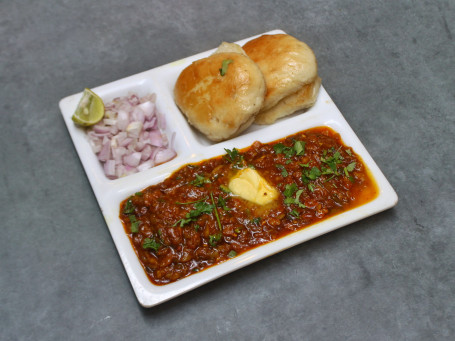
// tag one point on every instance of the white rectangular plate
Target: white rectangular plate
(192, 147)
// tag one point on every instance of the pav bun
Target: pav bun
(221, 104)
(303, 99)
(289, 67)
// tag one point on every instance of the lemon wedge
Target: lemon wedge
(90, 109)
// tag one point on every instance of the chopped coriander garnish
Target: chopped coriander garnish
(282, 149)
(225, 189)
(234, 157)
(283, 170)
(256, 221)
(129, 207)
(200, 208)
(279, 148)
(182, 222)
(289, 195)
(332, 161)
(326, 171)
(311, 174)
(199, 181)
(348, 151)
(328, 179)
(294, 213)
(214, 239)
(134, 223)
(216, 212)
(222, 203)
(290, 190)
(297, 149)
(224, 66)
(232, 254)
(349, 168)
(150, 243)
(135, 227)
(314, 173)
(139, 194)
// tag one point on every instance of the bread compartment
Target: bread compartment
(190, 82)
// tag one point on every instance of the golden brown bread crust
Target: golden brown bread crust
(287, 63)
(220, 106)
(304, 98)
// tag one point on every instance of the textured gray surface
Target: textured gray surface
(388, 65)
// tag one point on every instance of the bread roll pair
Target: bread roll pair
(272, 76)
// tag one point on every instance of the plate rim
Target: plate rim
(148, 294)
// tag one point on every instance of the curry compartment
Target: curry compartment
(193, 220)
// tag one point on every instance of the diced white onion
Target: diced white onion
(134, 129)
(109, 168)
(132, 159)
(164, 155)
(131, 136)
(148, 108)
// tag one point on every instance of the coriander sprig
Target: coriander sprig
(234, 157)
(200, 208)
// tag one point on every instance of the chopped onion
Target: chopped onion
(163, 155)
(148, 108)
(131, 136)
(134, 128)
(109, 167)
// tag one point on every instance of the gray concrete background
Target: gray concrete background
(388, 65)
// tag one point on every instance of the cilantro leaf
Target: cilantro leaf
(289, 192)
(224, 66)
(351, 166)
(314, 173)
(129, 207)
(232, 254)
(295, 213)
(283, 170)
(214, 239)
(299, 147)
(200, 208)
(256, 221)
(134, 223)
(222, 203)
(234, 157)
(225, 189)
(150, 243)
(279, 147)
(332, 161)
(199, 181)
